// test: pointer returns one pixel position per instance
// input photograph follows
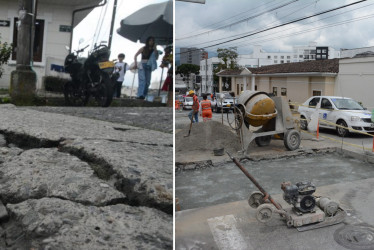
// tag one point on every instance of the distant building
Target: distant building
(53, 32)
(191, 56)
(349, 53)
(259, 58)
(295, 81)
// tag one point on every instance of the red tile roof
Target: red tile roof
(318, 66)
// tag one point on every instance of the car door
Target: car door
(326, 113)
(312, 106)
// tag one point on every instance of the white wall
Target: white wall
(356, 80)
(54, 40)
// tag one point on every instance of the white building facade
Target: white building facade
(259, 58)
(53, 30)
(349, 53)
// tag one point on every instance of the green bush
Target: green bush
(5, 52)
(54, 84)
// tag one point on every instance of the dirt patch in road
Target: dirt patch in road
(206, 136)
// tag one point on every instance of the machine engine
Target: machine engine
(300, 195)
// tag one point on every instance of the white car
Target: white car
(187, 103)
(337, 110)
(226, 105)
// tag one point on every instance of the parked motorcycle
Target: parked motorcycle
(90, 76)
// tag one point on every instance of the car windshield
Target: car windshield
(189, 99)
(228, 96)
(348, 104)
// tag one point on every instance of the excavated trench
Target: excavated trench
(13, 233)
(202, 184)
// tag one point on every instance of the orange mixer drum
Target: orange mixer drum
(259, 107)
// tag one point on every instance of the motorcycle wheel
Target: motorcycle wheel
(74, 96)
(104, 92)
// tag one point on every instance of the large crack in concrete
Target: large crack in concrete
(21, 232)
(102, 169)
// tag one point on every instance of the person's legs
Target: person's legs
(197, 116)
(190, 115)
(141, 77)
(147, 75)
(118, 89)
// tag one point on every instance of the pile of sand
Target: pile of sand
(206, 136)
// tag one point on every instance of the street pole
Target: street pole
(112, 24)
(23, 79)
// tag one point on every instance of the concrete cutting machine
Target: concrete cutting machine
(307, 211)
(258, 117)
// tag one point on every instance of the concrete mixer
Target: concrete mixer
(270, 115)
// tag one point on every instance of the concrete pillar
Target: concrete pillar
(220, 84)
(253, 83)
(23, 79)
(245, 83)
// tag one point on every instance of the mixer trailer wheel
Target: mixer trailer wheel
(292, 139)
(264, 213)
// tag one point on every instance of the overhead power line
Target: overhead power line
(240, 21)
(280, 25)
(241, 34)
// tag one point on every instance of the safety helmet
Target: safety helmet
(191, 92)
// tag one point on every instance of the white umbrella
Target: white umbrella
(153, 20)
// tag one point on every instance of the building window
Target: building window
(283, 91)
(318, 51)
(275, 91)
(288, 61)
(269, 57)
(318, 56)
(316, 93)
(255, 87)
(324, 57)
(282, 61)
(275, 57)
(275, 61)
(282, 57)
(38, 40)
(288, 57)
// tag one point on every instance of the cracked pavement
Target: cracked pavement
(69, 182)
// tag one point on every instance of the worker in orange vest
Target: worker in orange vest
(195, 107)
(206, 108)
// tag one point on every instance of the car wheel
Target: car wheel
(303, 123)
(292, 139)
(342, 132)
(217, 109)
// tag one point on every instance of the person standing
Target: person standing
(195, 107)
(206, 108)
(120, 68)
(148, 64)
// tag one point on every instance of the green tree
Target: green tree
(229, 57)
(185, 70)
(5, 52)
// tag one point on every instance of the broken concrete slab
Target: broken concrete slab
(3, 212)
(143, 172)
(155, 118)
(234, 225)
(2, 141)
(6, 154)
(29, 128)
(51, 223)
(45, 172)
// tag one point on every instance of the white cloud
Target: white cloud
(193, 17)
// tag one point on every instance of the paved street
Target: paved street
(106, 184)
(329, 138)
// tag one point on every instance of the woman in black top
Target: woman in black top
(145, 68)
